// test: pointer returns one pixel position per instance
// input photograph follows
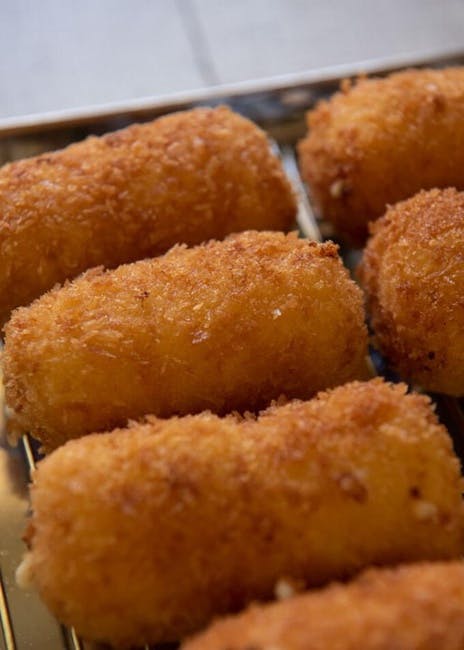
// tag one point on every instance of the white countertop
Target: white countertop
(60, 54)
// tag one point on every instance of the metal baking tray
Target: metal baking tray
(278, 105)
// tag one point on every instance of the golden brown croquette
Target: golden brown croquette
(143, 535)
(382, 140)
(187, 177)
(414, 607)
(225, 326)
(413, 273)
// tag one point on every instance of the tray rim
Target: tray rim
(154, 105)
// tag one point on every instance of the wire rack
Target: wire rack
(25, 622)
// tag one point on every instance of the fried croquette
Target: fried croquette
(413, 273)
(143, 535)
(382, 140)
(415, 607)
(184, 178)
(225, 326)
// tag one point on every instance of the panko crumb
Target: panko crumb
(287, 588)
(25, 573)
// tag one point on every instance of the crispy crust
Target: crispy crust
(413, 273)
(228, 325)
(417, 607)
(382, 140)
(142, 535)
(132, 194)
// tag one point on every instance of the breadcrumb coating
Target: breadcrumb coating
(143, 535)
(379, 141)
(413, 273)
(225, 326)
(184, 178)
(415, 607)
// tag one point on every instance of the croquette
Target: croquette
(414, 607)
(380, 141)
(142, 535)
(225, 326)
(132, 194)
(413, 273)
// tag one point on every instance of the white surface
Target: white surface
(265, 37)
(58, 54)
(63, 53)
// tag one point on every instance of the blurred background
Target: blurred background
(61, 54)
